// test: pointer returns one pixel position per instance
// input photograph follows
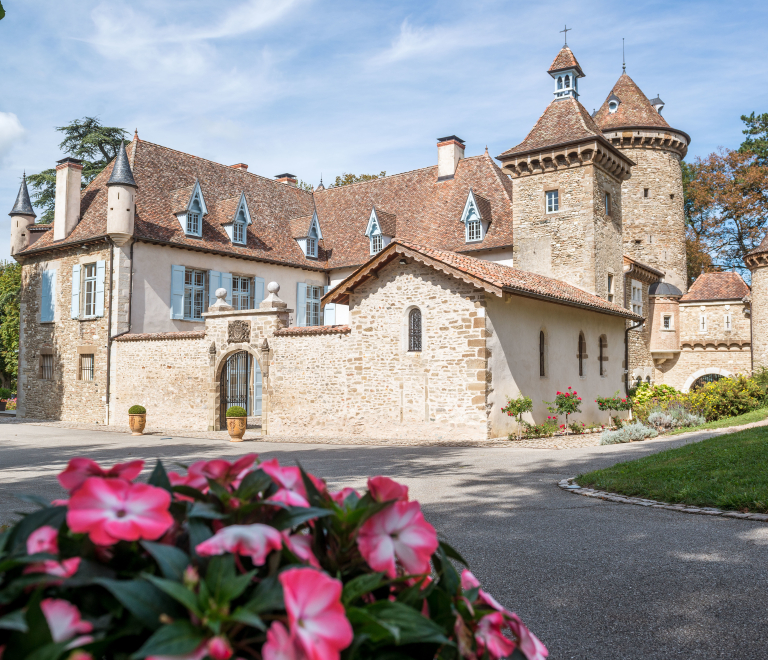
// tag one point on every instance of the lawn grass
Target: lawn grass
(747, 418)
(728, 472)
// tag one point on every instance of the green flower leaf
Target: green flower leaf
(177, 638)
(171, 560)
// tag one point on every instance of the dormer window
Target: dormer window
(238, 232)
(237, 229)
(476, 218)
(380, 229)
(613, 103)
(377, 243)
(191, 209)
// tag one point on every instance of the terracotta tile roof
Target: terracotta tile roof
(162, 336)
(300, 226)
(716, 286)
(298, 331)
(564, 120)
(427, 212)
(498, 277)
(387, 222)
(634, 108)
(414, 206)
(565, 60)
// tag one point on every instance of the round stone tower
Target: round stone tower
(121, 199)
(22, 216)
(652, 198)
(757, 262)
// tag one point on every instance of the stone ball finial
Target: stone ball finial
(221, 293)
(273, 287)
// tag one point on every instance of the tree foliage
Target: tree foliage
(10, 287)
(347, 178)
(2, 12)
(756, 141)
(87, 140)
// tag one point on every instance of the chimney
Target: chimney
(450, 150)
(288, 179)
(240, 166)
(66, 212)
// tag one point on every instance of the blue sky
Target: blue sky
(313, 87)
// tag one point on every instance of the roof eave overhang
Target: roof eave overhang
(646, 127)
(620, 312)
(52, 247)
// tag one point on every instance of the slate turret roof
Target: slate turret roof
(23, 206)
(121, 170)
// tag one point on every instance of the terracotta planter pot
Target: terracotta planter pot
(137, 423)
(236, 428)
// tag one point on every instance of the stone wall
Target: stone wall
(609, 253)
(654, 226)
(693, 362)
(65, 397)
(367, 383)
(760, 315)
(640, 358)
(664, 339)
(690, 314)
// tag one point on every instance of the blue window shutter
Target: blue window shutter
(75, 308)
(177, 292)
(48, 298)
(329, 311)
(100, 274)
(258, 290)
(214, 282)
(226, 282)
(301, 304)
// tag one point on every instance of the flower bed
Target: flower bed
(243, 559)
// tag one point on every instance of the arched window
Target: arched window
(559, 82)
(603, 347)
(414, 330)
(582, 354)
(542, 354)
(703, 380)
(567, 82)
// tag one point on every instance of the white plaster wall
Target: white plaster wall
(342, 311)
(152, 283)
(503, 257)
(513, 345)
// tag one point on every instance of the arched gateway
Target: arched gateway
(240, 385)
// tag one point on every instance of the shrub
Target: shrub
(137, 410)
(565, 403)
(628, 433)
(240, 560)
(577, 427)
(674, 417)
(644, 392)
(5, 393)
(236, 411)
(611, 403)
(516, 408)
(727, 397)
(539, 430)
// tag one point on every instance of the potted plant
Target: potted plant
(236, 418)
(137, 419)
(5, 394)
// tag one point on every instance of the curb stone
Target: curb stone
(571, 486)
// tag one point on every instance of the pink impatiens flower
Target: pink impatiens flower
(384, 488)
(315, 613)
(530, 645)
(290, 477)
(490, 637)
(280, 645)
(398, 533)
(219, 648)
(289, 498)
(80, 469)
(255, 541)
(45, 539)
(111, 510)
(223, 472)
(64, 621)
(342, 495)
(301, 546)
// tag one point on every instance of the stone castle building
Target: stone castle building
(410, 306)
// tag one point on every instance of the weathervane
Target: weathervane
(623, 59)
(566, 30)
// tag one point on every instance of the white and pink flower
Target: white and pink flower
(384, 488)
(112, 510)
(219, 648)
(289, 498)
(45, 539)
(65, 622)
(340, 496)
(280, 645)
(80, 469)
(290, 477)
(399, 533)
(223, 472)
(490, 637)
(255, 541)
(301, 546)
(530, 645)
(315, 614)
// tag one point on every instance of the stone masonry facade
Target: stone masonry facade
(760, 315)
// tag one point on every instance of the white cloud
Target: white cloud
(414, 42)
(11, 131)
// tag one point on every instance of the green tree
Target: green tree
(346, 178)
(10, 287)
(2, 12)
(756, 141)
(87, 140)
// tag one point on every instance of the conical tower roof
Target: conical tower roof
(121, 171)
(634, 108)
(23, 206)
(565, 60)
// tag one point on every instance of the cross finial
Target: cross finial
(565, 31)
(623, 59)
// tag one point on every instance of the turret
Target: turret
(121, 199)
(566, 71)
(22, 215)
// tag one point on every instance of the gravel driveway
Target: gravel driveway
(592, 579)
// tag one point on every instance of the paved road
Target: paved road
(593, 580)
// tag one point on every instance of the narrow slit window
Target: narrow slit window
(581, 354)
(86, 366)
(414, 330)
(727, 322)
(646, 192)
(608, 204)
(602, 357)
(542, 354)
(610, 287)
(46, 366)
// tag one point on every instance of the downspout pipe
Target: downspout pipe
(111, 338)
(626, 354)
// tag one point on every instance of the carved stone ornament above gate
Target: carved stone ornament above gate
(239, 332)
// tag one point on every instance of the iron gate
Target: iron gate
(703, 380)
(240, 385)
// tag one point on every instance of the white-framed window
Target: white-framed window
(610, 287)
(238, 232)
(86, 366)
(89, 290)
(727, 322)
(608, 209)
(667, 322)
(637, 297)
(314, 293)
(553, 201)
(475, 230)
(311, 247)
(377, 243)
(194, 294)
(242, 292)
(702, 322)
(192, 218)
